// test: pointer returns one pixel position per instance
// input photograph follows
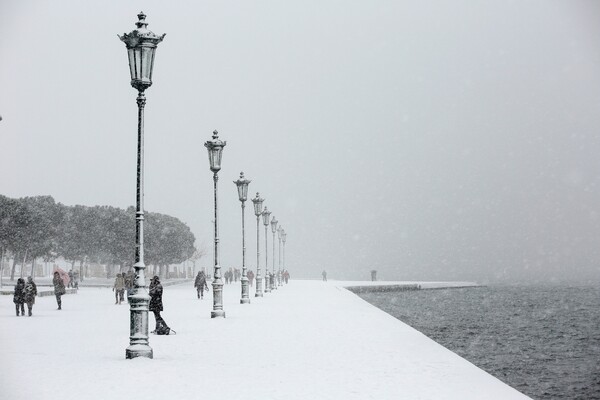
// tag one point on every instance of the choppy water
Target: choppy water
(543, 341)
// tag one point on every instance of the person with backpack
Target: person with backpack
(19, 296)
(59, 288)
(200, 284)
(30, 293)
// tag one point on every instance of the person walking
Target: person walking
(76, 279)
(129, 283)
(119, 288)
(324, 274)
(70, 278)
(30, 293)
(250, 276)
(19, 296)
(200, 284)
(59, 288)
(286, 276)
(155, 290)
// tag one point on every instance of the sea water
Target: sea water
(542, 340)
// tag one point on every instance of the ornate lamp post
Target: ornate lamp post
(283, 237)
(265, 214)
(273, 229)
(215, 153)
(141, 46)
(242, 187)
(279, 233)
(258, 211)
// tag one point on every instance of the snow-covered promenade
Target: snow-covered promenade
(307, 340)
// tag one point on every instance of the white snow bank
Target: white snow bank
(306, 340)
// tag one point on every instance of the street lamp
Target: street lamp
(265, 214)
(215, 153)
(283, 237)
(273, 229)
(141, 46)
(242, 187)
(279, 233)
(258, 211)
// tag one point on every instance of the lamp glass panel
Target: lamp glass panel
(245, 191)
(152, 62)
(146, 63)
(131, 63)
(211, 157)
(266, 218)
(241, 192)
(257, 207)
(217, 151)
(138, 63)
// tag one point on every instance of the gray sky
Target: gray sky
(427, 140)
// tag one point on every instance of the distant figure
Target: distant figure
(324, 273)
(71, 278)
(30, 293)
(373, 275)
(286, 276)
(76, 279)
(129, 283)
(236, 274)
(119, 288)
(19, 296)
(250, 276)
(200, 284)
(59, 288)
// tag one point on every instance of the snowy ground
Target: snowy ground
(307, 340)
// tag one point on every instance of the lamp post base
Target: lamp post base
(259, 284)
(217, 314)
(138, 350)
(245, 290)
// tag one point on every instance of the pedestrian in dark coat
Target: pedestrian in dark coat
(200, 284)
(19, 296)
(59, 288)
(155, 290)
(30, 293)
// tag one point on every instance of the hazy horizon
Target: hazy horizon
(427, 140)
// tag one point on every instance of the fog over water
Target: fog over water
(426, 140)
